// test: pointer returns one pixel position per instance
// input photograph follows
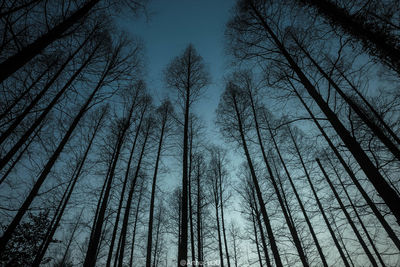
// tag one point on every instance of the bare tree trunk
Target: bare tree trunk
(321, 209)
(348, 217)
(15, 62)
(274, 247)
(135, 224)
(372, 243)
(216, 202)
(130, 196)
(310, 227)
(128, 168)
(199, 213)
(256, 241)
(291, 226)
(222, 213)
(260, 227)
(182, 248)
(153, 189)
(24, 93)
(385, 191)
(64, 258)
(191, 136)
(374, 111)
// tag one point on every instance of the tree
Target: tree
(188, 76)
(164, 112)
(231, 112)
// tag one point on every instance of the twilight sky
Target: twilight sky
(170, 27)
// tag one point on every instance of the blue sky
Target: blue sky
(169, 28)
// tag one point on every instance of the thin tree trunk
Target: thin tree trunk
(222, 213)
(91, 253)
(310, 227)
(15, 62)
(321, 209)
(372, 243)
(69, 191)
(385, 191)
(260, 227)
(256, 241)
(216, 201)
(199, 212)
(24, 93)
(128, 168)
(292, 228)
(182, 248)
(153, 193)
(64, 258)
(18, 158)
(190, 192)
(135, 224)
(130, 196)
(348, 217)
(374, 111)
(274, 247)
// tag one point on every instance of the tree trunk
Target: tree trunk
(321, 209)
(153, 193)
(274, 247)
(70, 190)
(256, 241)
(348, 217)
(17, 121)
(15, 62)
(291, 226)
(372, 243)
(128, 168)
(216, 201)
(222, 213)
(130, 196)
(260, 227)
(135, 224)
(182, 248)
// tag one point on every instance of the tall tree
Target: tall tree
(231, 112)
(188, 76)
(164, 112)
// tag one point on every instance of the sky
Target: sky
(170, 26)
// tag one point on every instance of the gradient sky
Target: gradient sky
(169, 28)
